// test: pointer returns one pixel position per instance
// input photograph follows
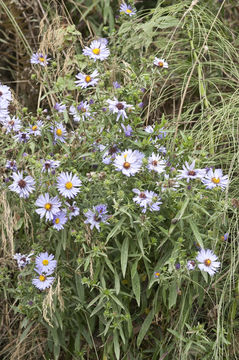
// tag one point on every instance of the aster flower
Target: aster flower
(160, 63)
(49, 165)
(22, 186)
(208, 261)
(12, 124)
(156, 274)
(149, 129)
(147, 200)
(225, 236)
(127, 130)
(22, 259)
(4, 112)
(39, 58)
(43, 281)
(129, 162)
(127, 9)
(5, 92)
(60, 107)
(97, 216)
(189, 172)
(48, 206)
(59, 220)
(191, 264)
(73, 210)
(116, 85)
(85, 80)
(68, 184)
(109, 154)
(36, 128)
(103, 41)
(22, 137)
(214, 179)
(155, 163)
(81, 112)
(45, 263)
(11, 165)
(59, 132)
(168, 184)
(97, 50)
(118, 107)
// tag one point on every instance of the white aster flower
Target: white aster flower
(160, 63)
(168, 184)
(45, 263)
(36, 128)
(155, 163)
(5, 93)
(97, 216)
(59, 220)
(22, 259)
(73, 210)
(87, 80)
(68, 184)
(39, 58)
(208, 261)
(49, 165)
(214, 179)
(48, 206)
(60, 107)
(59, 132)
(43, 281)
(129, 162)
(118, 107)
(97, 50)
(147, 200)
(189, 172)
(22, 186)
(191, 264)
(127, 9)
(81, 112)
(12, 124)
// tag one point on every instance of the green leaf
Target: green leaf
(172, 295)
(124, 256)
(116, 229)
(196, 233)
(135, 282)
(117, 283)
(116, 345)
(146, 324)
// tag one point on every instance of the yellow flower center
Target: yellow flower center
(83, 109)
(57, 220)
(45, 262)
(41, 58)
(68, 185)
(34, 127)
(58, 132)
(207, 262)
(129, 11)
(215, 180)
(88, 78)
(48, 206)
(160, 64)
(42, 278)
(96, 51)
(126, 165)
(157, 274)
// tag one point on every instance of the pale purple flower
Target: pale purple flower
(68, 184)
(49, 165)
(110, 154)
(214, 179)
(22, 259)
(12, 124)
(5, 93)
(73, 210)
(59, 220)
(81, 112)
(36, 128)
(129, 162)
(127, 130)
(156, 163)
(48, 206)
(208, 261)
(191, 264)
(45, 263)
(43, 281)
(161, 63)
(97, 50)
(147, 200)
(116, 85)
(119, 107)
(127, 9)
(97, 216)
(22, 186)
(85, 80)
(39, 58)
(59, 132)
(11, 164)
(189, 172)
(22, 137)
(60, 107)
